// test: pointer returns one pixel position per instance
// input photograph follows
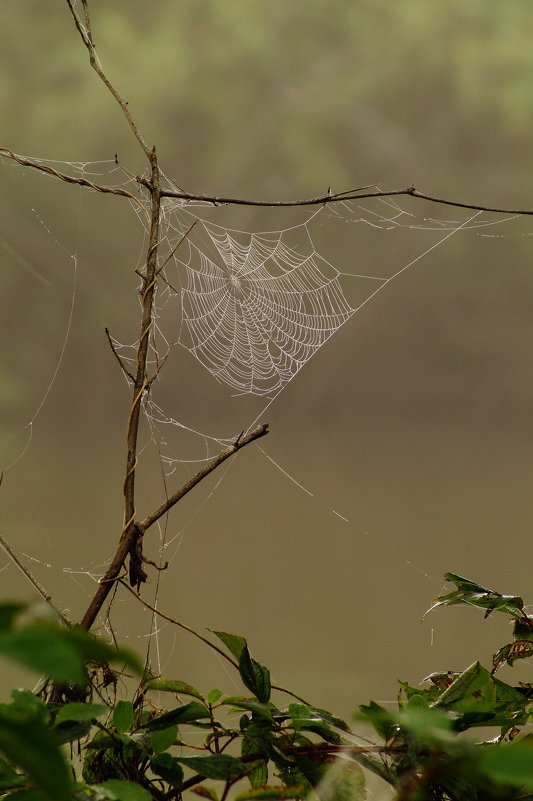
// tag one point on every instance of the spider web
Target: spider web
(255, 312)
(252, 309)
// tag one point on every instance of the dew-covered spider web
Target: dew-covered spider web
(246, 308)
(255, 310)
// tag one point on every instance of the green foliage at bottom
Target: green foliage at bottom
(433, 746)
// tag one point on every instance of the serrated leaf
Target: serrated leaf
(257, 770)
(182, 714)
(80, 712)
(119, 790)
(162, 739)
(173, 686)
(255, 676)
(218, 766)
(472, 594)
(123, 716)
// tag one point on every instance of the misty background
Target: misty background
(412, 421)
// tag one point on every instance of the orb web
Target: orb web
(256, 310)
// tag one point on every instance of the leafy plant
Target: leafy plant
(132, 748)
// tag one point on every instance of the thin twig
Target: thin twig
(33, 581)
(117, 357)
(239, 443)
(69, 179)
(85, 33)
(339, 197)
(212, 645)
(173, 251)
(132, 531)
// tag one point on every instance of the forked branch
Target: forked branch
(134, 531)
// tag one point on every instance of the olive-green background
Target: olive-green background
(413, 421)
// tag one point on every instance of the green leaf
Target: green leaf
(80, 712)
(384, 723)
(263, 710)
(71, 731)
(304, 718)
(94, 649)
(9, 778)
(474, 690)
(32, 746)
(219, 766)
(172, 686)
(168, 768)
(213, 696)
(233, 642)
(25, 701)
(118, 790)
(426, 723)
(182, 714)
(258, 769)
(162, 739)
(255, 676)
(45, 649)
(470, 593)
(326, 716)
(123, 716)
(512, 764)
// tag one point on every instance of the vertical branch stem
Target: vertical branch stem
(130, 531)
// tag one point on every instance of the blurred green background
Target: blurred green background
(413, 421)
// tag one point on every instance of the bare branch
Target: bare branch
(322, 200)
(239, 443)
(33, 581)
(84, 30)
(117, 357)
(69, 179)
